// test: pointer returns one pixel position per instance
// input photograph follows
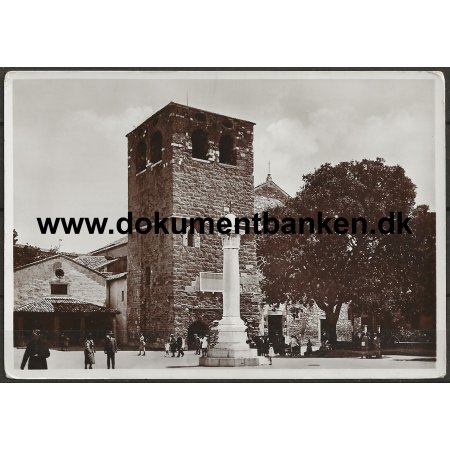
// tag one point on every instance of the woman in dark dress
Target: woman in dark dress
(89, 352)
(36, 353)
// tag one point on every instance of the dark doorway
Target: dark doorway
(275, 326)
(199, 328)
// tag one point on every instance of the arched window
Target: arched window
(226, 150)
(199, 144)
(156, 147)
(141, 156)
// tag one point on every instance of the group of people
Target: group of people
(37, 351)
(201, 345)
(110, 350)
(280, 345)
(369, 344)
(175, 344)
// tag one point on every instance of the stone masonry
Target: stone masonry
(197, 164)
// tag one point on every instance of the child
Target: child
(167, 347)
(141, 345)
(271, 353)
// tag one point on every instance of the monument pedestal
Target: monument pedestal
(231, 349)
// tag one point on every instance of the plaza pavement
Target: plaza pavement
(157, 360)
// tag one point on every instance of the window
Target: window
(58, 289)
(123, 295)
(200, 117)
(199, 144)
(227, 123)
(226, 150)
(191, 239)
(141, 157)
(156, 147)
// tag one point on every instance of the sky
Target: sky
(70, 149)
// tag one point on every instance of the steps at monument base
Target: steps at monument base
(232, 362)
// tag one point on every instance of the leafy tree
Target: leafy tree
(372, 270)
(27, 254)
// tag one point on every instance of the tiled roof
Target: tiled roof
(116, 276)
(73, 260)
(120, 241)
(91, 261)
(63, 304)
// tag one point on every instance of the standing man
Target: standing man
(365, 346)
(36, 353)
(198, 345)
(377, 345)
(204, 346)
(110, 350)
(180, 346)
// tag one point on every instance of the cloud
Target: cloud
(399, 135)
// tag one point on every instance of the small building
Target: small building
(114, 256)
(269, 195)
(60, 296)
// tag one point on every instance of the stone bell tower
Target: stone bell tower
(185, 163)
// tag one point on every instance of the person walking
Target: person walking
(204, 346)
(180, 346)
(36, 353)
(271, 353)
(110, 350)
(167, 348)
(173, 345)
(141, 345)
(295, 350)
(89, 351)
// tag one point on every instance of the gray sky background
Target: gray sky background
(70, 150)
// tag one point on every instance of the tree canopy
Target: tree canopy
(378, 273)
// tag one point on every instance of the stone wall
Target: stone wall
(118, 302)
(308, 324)
(163, 290)
(32, 283)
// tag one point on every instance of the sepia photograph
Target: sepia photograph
(225, 225)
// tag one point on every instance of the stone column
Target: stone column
(114, 325)
(231, 348)
(56, 329)
(82, 326)
(20, 334)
